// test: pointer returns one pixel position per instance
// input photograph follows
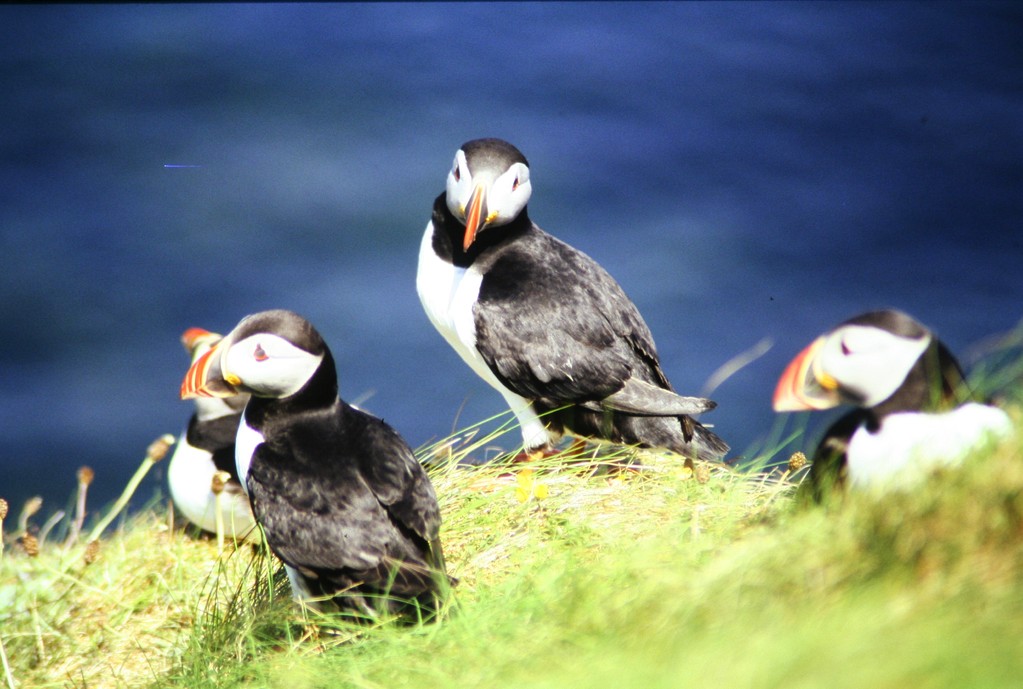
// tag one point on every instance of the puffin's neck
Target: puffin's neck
(320, 392)
(449, 234)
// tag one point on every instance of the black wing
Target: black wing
(553, 325)
(401, 485)
(366, 510)
(397, 479)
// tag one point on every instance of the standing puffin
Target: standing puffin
(914, 409)
(542, 322)
(205, 448)
(342, 500)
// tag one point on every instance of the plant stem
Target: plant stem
(218, 507)
(154, 454)
(7, 666)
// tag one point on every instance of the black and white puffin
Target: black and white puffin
(206, 447)
(914, 411)
(340, 496)
(542, 322)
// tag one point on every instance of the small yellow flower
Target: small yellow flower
(529, 487)
(685, 473)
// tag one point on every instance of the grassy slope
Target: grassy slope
(630, 580)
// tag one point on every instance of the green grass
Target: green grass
(628, 579)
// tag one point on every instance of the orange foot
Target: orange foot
(533, 455)
(576, 449)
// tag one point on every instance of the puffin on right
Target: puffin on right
(914, 410)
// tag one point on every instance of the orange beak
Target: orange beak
(803, 386)
(475, 215)
(205, 377)
(193, 337)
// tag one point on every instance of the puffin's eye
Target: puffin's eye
(260, 354)
(515, 184)
(456, 173)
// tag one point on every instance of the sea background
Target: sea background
(749, 172)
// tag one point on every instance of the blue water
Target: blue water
(746, 171)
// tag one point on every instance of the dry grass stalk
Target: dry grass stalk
(218, 483)
(8, 676)
(85, 476)
(156, 451)
(32, 505)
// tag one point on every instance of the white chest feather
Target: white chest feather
(189, 476)
(190, 479)
(245, 444)
(449, 294)
(909, 445)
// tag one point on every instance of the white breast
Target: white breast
(909, 445)
(245, 444)
(190, 480)
(448, 294)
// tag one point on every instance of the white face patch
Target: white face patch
(459, 186)
(209, 408)
(508, 195)
(508, 191)
(268, 365)
(870, 363)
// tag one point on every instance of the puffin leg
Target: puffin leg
(536, 454)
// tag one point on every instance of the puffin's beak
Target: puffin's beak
(206, 378)
(193, 337)
(475, 215)
(804, 386)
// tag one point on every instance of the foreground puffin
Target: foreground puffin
(205, 448)
(542, 322)
(342, 500)
(914, 409)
